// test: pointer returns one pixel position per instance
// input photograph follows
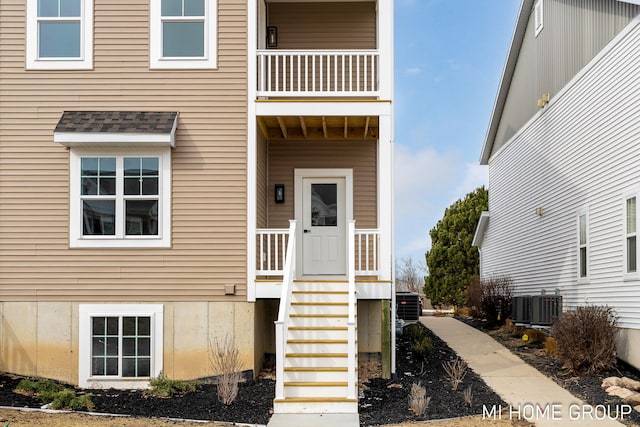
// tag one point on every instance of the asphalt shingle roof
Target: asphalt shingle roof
(116, 122)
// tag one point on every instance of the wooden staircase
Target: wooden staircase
(316, 359)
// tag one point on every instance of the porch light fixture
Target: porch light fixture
(279, 193)
(272, 37)
(539, 211)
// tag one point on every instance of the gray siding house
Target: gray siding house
(563, 154)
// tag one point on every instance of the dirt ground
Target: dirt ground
(19, 418)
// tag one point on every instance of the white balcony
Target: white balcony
(318, 73)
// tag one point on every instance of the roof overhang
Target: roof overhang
(116, 128)
(505, 81)
(481, 229)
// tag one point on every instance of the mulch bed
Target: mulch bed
(381, 401)
(586, 387)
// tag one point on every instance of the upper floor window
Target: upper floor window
(183, 34)
(120, 199)
(583, 244)
(538, 13)
(59, 34)
(630, 233)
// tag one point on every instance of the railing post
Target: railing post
(283, 312)
(352, 387)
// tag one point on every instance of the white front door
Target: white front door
(324, 228)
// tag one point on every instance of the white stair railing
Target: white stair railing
(285, 305)
(352, 351)
(318, 72)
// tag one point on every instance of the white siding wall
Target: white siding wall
(581, 152)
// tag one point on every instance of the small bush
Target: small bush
(474, 295)
(422, 348)
(550, 346)
(418, 400)
(59, 397)
(468, 396)
(414, 333)
(225, 362)
(165, 387)
(456, 371)
(536, 336)
(586, 338)
(495, 303)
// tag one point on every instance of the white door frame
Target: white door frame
(299, 175)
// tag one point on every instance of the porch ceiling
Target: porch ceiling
(330, 128)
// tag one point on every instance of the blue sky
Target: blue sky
(449, 56)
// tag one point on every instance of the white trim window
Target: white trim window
(120, 198)
(183, 34)
(583, 246)
(630, 236)
(120, 345)
(59, 35)
(538, 12)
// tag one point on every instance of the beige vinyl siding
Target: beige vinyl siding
(360, 156)
(349, 25)
(262, 193)
(208, 164)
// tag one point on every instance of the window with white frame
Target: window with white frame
(583, 245)
(59, 34)
(538, 13)
(630, 233)
(183, 34)
(120, 345)
(120, 199)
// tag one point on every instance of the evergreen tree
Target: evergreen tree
(452, 261)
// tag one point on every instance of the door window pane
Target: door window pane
(324, 205)
(59, 39)
(183, 39)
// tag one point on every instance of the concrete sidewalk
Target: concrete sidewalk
(524, 388)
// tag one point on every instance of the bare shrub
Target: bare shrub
(585, 338)
(468, 396)
(551, 346)
(456, 371)
(495, 303)
(225, 362)
(474, 296)
(418, 400)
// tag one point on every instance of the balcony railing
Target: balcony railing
(318, 73)
(272, 244)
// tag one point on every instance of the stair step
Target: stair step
(319, 303)
(322, 292)
(316, 384)
(319, 315)
(317, 369)
(315, 399)
(329, 355)
(317, 341)
(317, 328)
